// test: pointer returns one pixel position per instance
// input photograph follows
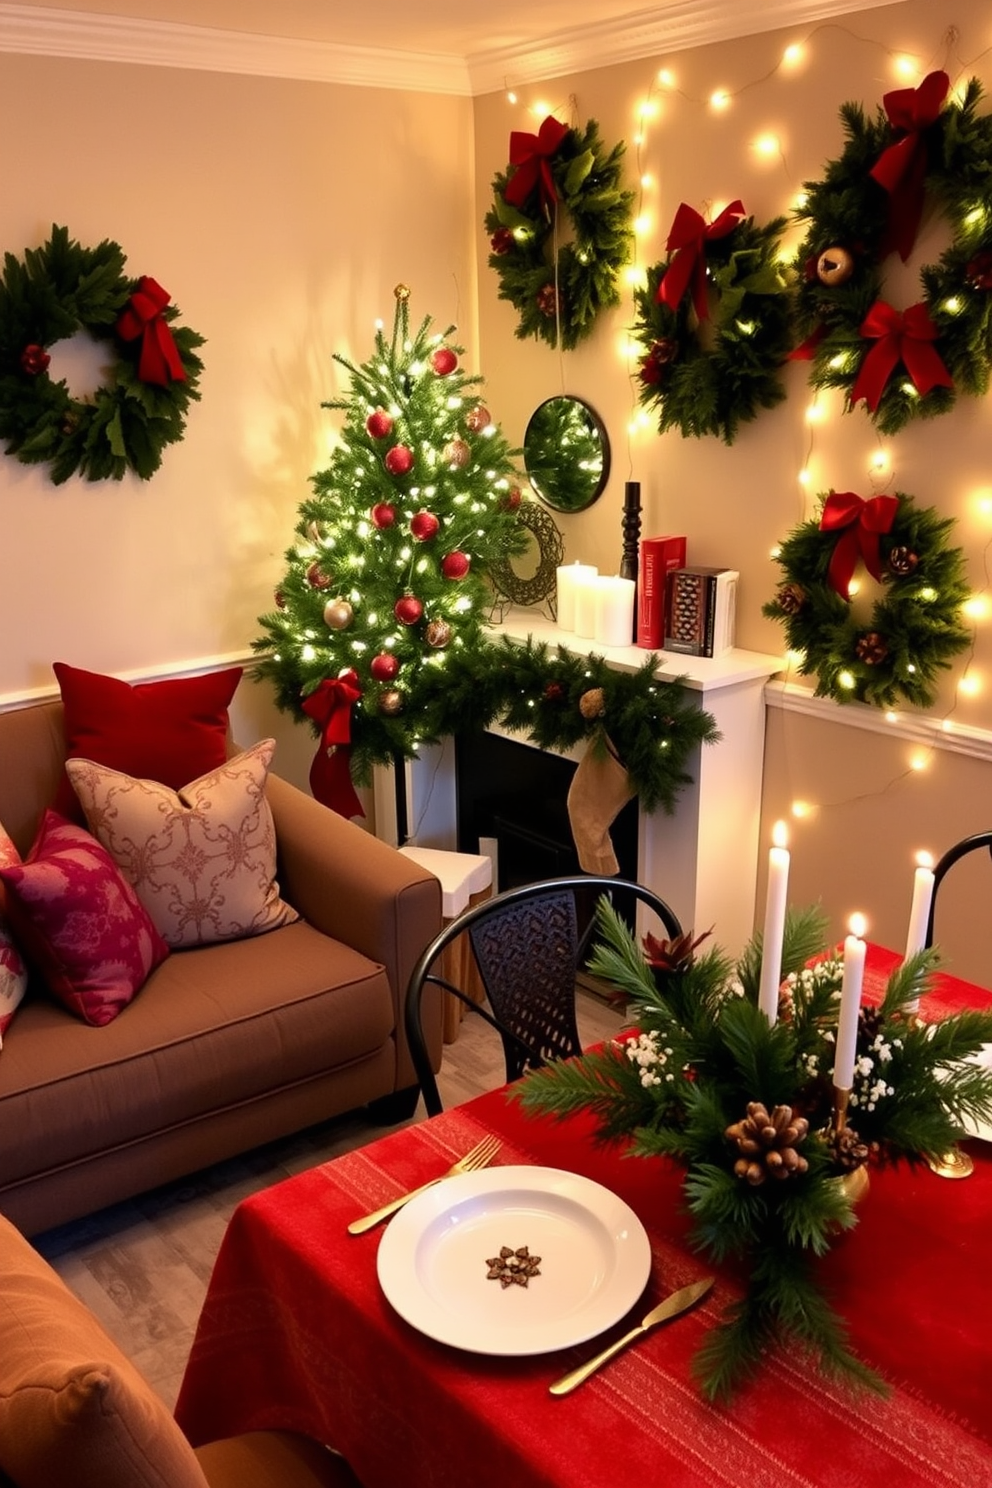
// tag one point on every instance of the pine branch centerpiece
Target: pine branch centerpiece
(747, 1106)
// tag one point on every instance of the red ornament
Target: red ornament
(547, 301)
(379, 424)
(455, 565)
(399, 460)
(512, 499)
(383, 515)
(424, 525)
(444, 361)
(478, 418)
(317, 578)
(280, 600)
(384, 666)
(349, 676)
(978, 271)
(408, 609)
(34, 359)
(502, 241)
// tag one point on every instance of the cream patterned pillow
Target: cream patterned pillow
(13, 972)
(202, 859)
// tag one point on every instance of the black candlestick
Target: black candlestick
(631, 538)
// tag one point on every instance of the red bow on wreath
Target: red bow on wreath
(906, 338)
(330, 774)
(531, 155)
(902, 167)
(860, 524)
(159, 360)
(687, 240)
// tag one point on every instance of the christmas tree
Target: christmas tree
(384, 598)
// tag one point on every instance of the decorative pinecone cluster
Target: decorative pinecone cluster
(849, 1152)
(791, 598)
(768, 1143)
(903, 561)
(871, 648)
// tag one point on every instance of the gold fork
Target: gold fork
(479, 1157)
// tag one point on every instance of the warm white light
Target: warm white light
(891, 717)
(636, 276)
(814, 413)
(970, 685)
(924, 860)
(800, 809)
(845, 680)
(792, 55)
(666, 78)
(977, 607)
(648, 109)
(799, 200)
(857, 925)
(853, 588)
(767, 145)
(642, 224)
(918, 762)
(795, 658)
(928, 595)
(839, 362)
(952, 305)
(647, 180)
(720, 99)
(774, 552)
(540, 110)
(803, 477)
(511, 97)
(905, 67)
(879, 460)
(780, 834)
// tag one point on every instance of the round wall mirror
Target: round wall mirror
(567, 453)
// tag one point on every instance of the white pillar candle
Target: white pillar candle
(773, 933)
(614, 612)
(919, 914)
(850, 1003)
(567, 577)
(585, 605)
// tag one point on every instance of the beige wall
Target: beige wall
(280, 215)
(734, 503)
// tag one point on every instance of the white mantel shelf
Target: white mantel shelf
(703, 859)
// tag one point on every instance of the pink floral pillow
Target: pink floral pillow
(13, 972)
(80, 921)
(202, 859)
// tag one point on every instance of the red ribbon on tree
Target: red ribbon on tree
(159, 361)
(899, 337)
(329, 705)
(687, 239)
(531, 154)
(902, 167)
(860, 524)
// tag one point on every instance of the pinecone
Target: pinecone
(547, 301)
(592, 704)
(768, 1143)
(871, 649)
(791, 598)
(903, 561)
(869, 1022)
(848, 1149)
(553, 692)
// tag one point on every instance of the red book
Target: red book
(659, 556)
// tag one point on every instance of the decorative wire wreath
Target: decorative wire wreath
(551, 551)
(922, 149)
(558, 288)
(915, 626)
(708, 374)
(63, 288)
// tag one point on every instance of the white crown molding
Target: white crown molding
(103, 38)
(932, 733)
(673, 26)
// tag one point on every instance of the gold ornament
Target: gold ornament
(835, 266)
(391, 702)
(456, 454)
(338, 614)
(315, 532)
(592, 704)
(478, 418)
(402, 292)
(438, 634)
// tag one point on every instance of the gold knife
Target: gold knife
(678, 1302)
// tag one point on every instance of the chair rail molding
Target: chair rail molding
(934, 733)
(675, 26)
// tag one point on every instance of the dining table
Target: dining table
(297, 1332)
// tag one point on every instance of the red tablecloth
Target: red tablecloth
(296, 1333)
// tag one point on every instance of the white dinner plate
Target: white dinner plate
(595, 1260)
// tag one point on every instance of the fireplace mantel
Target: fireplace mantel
(703, 859)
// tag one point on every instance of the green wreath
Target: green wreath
(56, 291)
(919, 150)
(915, 626)
(558, 288)
(707, 376)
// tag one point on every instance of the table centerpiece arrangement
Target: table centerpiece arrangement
(773, 1115)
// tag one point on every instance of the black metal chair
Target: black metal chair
(529, 945)
(947, 861)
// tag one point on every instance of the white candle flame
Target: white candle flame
(857, 925)
(780, 834)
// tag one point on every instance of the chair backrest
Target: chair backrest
(950, 857)
(529, 944)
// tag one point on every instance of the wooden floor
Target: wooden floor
(143, 1266)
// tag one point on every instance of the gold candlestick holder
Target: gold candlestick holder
(855, 1182)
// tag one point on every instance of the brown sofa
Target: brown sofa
(225, 1046)
(74, 1413)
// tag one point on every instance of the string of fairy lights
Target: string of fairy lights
(768, 149)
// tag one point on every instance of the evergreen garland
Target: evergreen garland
(559, 287)
(848, 210)
(915, 625)
(709, 378)
(52, 293)
(704, 1054)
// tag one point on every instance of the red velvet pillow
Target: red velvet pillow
(171, 731)
(80, 922)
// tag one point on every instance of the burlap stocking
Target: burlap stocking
(600, 787)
